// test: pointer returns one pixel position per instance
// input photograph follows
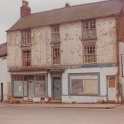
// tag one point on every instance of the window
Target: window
(18, 89)
(25, 87)
(77, 86)
(89, 53)
(28, 85)
(40, 88)
(26, 55)
(89, 29)
(84, 85)
(56, 55)
(26, 37)
(55, 33)
(111, 81)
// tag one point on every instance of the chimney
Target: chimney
(25, 9)
(67, 5)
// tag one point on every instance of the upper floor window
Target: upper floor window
(90, 53)
(26, 37)
(89, 29)
(56, 55)
(55, 33)
(26, 56)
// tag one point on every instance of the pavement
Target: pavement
(89, 106)
(50, 114)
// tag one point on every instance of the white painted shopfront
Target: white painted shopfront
(94, 83)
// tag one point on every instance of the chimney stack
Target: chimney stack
(25, 9)
(67, 5)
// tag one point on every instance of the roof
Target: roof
(3, 49)
(69, 14)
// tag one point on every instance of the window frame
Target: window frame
(26, 37)
(56, 55)
(25, 79)
(83, 74)
(88, 28)
(26, 59)
(89, 53)
(55, 33)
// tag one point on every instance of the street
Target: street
(12, 114)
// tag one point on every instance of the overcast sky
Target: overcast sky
(10, 10)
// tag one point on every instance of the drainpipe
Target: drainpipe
(119, 93)
(1, 92)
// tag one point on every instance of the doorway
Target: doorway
(56, 88)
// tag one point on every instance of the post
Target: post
(1, 92)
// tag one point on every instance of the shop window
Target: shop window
(40, 88)
(77, 86)
(25, 84)
(18, 89)
(84, 85)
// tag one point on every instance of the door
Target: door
(56, 88)
(111, 88)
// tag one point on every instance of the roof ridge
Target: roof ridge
(91, 3)
(68, 14)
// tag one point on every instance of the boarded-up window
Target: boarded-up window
(25, 89)
(84, 85)
(91, 87)
(18, 88)
(77, 86)
(28, 86)
(31, 89)
(40, 88)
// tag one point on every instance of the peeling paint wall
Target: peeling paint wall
(14, 49)
(71, 46)
(41, 49)
(106, 40)
(104, 93)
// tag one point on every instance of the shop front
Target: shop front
(29, 87)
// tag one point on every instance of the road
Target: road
(39, 115)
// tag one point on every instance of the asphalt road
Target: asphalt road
(39, 115)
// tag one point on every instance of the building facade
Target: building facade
(69, 54)
(4, 74)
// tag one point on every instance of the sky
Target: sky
(10, 10)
